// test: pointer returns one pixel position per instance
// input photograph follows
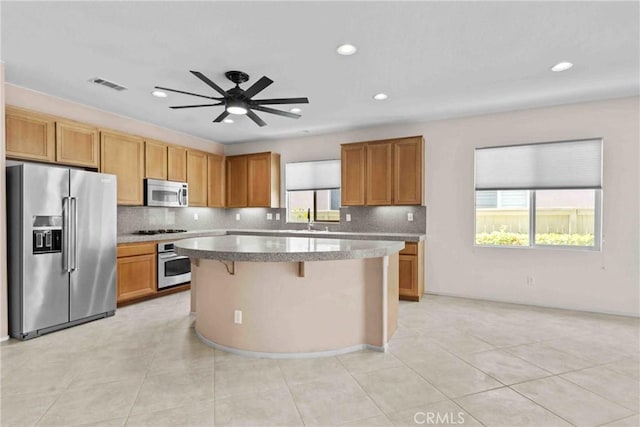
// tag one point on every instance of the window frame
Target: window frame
(314, 208)
(597, 227)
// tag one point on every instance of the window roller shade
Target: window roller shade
(553, 165)
(317, 175)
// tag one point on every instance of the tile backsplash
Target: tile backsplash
(382, 219)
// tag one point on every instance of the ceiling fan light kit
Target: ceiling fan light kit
(239, 101)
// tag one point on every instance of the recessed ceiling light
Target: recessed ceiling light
(561, 66)
(380, 96)
(346, 49)
(295, 110)
(228, 120)
(159, 94)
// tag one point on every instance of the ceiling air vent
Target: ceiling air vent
(104, 82)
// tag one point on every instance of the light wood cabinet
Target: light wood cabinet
(408, 171)
(236, 185)
(263, 180)
(253, 180)
(353, 174)
(137, 271)
(177, 164)
(411, 271)
(123, 156)
(29, 135)
(77, 144)
(197, 177)
(155, 160)
(378, 173)
(215, 181)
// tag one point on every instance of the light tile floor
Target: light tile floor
(453, 361)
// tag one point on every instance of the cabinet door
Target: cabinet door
(136, 276)
(236, 185)
(123, 156)
(353, 174)
(215, 181)
(177, 164)
(197, 177)
(408, 276)
(29, 136)
(259, 180)
(408, 171)
(155, 160)
(379, 173)
(77, 144)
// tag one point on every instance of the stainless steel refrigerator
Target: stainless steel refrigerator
(61, 248)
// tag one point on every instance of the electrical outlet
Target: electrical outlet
(348, 217)
(237, 317)
(531, 280)
(237, 217)
(410, 216)
(195, 216)
(269, 216)
(277, 216)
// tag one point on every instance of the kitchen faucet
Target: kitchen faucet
(309, 222)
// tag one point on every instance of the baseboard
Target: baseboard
(5, 338)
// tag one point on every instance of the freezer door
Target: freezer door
(93, 235)
(45, 284)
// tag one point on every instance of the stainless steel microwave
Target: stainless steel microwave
(165, 193)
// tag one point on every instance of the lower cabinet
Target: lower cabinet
(136, 270)
(411, 275)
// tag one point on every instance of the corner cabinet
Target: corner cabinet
(123, 156)
(253, 180)
(411, 271)
(29, 135)
(197, 177)
(383, 173)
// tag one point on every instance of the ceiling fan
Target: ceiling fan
(239, 101)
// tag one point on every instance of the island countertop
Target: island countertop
(283, 249)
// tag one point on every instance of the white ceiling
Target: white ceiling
(434, 59)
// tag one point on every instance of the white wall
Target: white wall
(44, 103)
(604, 281)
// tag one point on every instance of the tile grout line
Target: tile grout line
(293, 399)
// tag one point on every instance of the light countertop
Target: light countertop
(403, 237)
(284, 249)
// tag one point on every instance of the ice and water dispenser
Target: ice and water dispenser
(47, 234)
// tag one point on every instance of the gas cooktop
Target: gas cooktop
(160, 231)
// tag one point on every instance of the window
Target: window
(313, 191)
(545, 194)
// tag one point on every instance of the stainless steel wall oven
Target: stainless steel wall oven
(173, 269)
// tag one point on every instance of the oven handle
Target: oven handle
(170, 255)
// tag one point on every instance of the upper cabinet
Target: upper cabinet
(44, 138)
(253, 180)
(215, 181)
(123, 156)
(197, 177)
(177, 165)
(353, 171)
(29, 135)
(383, 173)
(155, 160)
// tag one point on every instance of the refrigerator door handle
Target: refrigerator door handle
(74, 230)
(66, 231)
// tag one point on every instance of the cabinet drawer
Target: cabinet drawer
(410, 248)
(136, 249)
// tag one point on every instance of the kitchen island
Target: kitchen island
(284, 297)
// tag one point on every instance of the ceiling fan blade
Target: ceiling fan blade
(281, 101)
(253, 116)
(221, 117)
(278, 112)
(187, 93)
(205, 79)
(195, 106)
(258, 86)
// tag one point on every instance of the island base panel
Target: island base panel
(337, 305)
